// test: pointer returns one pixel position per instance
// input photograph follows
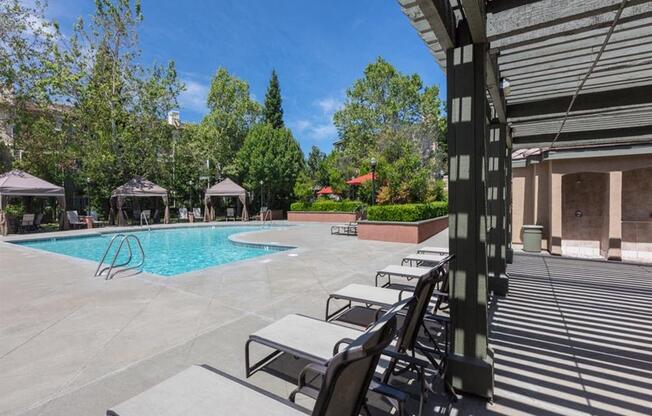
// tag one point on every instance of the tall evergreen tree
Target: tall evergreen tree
(273, 111)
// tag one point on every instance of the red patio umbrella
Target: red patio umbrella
(326, 190)
(361, 179)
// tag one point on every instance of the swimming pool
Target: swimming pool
(168, 252)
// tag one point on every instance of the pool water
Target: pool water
(167, 252)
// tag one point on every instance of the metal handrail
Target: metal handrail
(109, 269)
(106, 252)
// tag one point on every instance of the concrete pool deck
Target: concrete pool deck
(73, 344)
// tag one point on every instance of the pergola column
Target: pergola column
(496, 195)
(470, 366)
(555, 201)
(509, 252)
(615, 216)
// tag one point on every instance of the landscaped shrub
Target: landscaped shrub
(327, 206)
(407, 212)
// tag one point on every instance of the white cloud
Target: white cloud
(301, 125)
(315, 131)
(324, 131)
(329, 105)
(194, 97)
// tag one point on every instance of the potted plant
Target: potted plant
(14, 213)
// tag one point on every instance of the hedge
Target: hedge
(327, 206)
(407, 212)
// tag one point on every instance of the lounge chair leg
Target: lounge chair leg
(337, 312)
(251, 369)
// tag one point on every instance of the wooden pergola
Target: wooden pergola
(521, 74)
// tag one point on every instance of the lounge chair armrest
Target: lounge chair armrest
(440, 294)
(336, 348)
(440, 319)
(302, 386)
(389, 391)
(311, 367)
(407, 358)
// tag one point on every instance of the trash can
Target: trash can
(532, 238)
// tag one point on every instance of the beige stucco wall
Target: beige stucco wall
(549, 193)
(637, 214)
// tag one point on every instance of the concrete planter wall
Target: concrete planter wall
(401, 232)
(321, 216)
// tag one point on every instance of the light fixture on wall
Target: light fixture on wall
(505, 85)
(578, 213)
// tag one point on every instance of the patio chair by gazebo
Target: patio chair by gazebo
(17, 183)
(138, 187)
(226, 188)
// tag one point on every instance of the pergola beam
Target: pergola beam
(572, 136)
(441, 19)
(591, 101)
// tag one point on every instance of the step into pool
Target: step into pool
(168, 252)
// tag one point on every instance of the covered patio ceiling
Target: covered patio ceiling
(580, 72)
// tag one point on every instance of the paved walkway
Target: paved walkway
(71, 344)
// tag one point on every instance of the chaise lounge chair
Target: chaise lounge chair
(196, 213)
(422, 260)
(345, 229)
(73, 219)
(433, 250)
(96, 221)
(230, 214)
(27, 223)
(202, 391)
(316, 341)
(384, 297)
(183, 214)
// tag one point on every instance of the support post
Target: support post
(470, 363)
(498, 279)
(614, 229)
(509, 254)
(555, 200)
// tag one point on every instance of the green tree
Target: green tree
(315, 165)
(27, 45)
(274, 157)
(394, 118)
(273, 110)
(232, 112)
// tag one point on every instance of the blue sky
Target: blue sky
(318, 49)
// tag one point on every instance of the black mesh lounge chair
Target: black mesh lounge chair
(316, 341)
(345, 229)
(202, 391)
(433, 250)
(422, 260)
(384, 297)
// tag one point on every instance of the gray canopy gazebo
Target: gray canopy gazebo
(17, 183)
(138, 187)
(226, 188)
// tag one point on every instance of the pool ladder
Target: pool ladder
(120, 268)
